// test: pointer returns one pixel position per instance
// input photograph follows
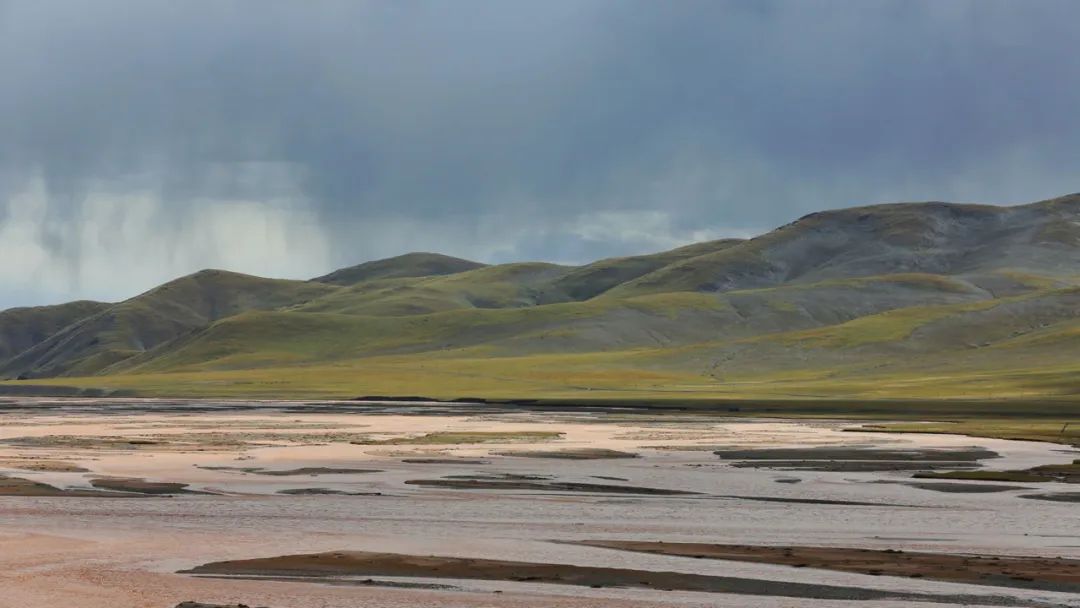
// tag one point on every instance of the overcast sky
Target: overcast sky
(142, 140)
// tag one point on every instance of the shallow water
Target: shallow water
(92, 552)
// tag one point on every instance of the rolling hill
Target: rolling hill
(23, 328)
(417, 264)
(114, 333)
(897, 300)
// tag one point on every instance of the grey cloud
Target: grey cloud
(490, 128)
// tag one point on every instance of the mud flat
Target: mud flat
(107, 487)
(459, 461)
(17, 486)
(1002, 571)
(856, 459)
(965, 488)
(309, 471)
(39, 465)
(337, 564)
(180, 442)
(324, 492)
(575, 454)
(141, 486)
(849, 466)
(814, 501)
(209, 482)
(829, 453)
(467, 438)
(543, 486)
(1055, 496)
(1060, 473)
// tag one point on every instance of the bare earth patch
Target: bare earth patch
(324, 492)
(309, 471)
(855, 459)
(857, 453)
(496, 483)
(42, 466)
(1061, 473)
(334, 566)
(444, 461)
(1050, 574)
(1055, 496)
(183, 442)
(141, 486)
(467, 438)
(16, 486)
(571, 454)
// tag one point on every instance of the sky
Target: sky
(142, 140)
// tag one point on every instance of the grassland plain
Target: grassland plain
(924, 309)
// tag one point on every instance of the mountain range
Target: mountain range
(903, 299)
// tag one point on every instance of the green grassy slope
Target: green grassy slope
(909, 300)
(255, 339)
(23, 328)
(403, 266)
(94, 343)
(1016, 347)
(935, 238)
(594, 279)
(301, 335)
(503, 286)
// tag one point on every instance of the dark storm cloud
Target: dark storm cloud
(560, 130)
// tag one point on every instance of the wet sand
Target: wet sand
(103, 502)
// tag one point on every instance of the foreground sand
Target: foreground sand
(112, 526)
